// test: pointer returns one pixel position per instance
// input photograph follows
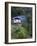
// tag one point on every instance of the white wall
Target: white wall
(2, 24)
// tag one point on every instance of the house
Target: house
(16, 20)
(19, 19)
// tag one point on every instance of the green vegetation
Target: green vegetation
(20, 32)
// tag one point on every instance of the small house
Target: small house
(19, 19)
(16, 20)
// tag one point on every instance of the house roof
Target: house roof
(22, 17)
(17, 18)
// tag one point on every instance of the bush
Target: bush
(21, 33)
